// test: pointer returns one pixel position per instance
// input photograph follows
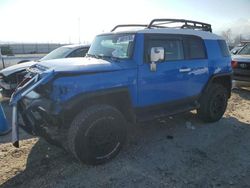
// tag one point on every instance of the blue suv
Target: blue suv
(84, 104)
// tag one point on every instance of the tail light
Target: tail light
(234, 64)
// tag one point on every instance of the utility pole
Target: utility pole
(79, 30)
(2, 57)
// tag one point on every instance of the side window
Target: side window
(245, 50)
(194, 48)
(173, 48)
(223, 48)
(78, 53)
(85, 51)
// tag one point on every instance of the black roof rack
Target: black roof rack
(129, 25)
(185, 24)
(136, 25)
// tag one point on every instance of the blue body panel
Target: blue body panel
(168, 83)
(90, 83)
(146, 87)
(216, 62)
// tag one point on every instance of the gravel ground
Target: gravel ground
(178, 151)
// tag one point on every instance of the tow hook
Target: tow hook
(15, 135)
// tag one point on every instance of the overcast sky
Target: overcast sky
(61, 20)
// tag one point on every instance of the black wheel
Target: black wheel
(97, 134)
(213, 103)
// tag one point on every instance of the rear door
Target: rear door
(178, 77)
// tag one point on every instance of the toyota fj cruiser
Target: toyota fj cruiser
(128, 76)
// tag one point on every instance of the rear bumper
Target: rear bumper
(241, 75)
(237, 83)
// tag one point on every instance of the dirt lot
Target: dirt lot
(178, 151)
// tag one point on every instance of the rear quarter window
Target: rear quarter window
(224, 48)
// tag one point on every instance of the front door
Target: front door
(179, 76)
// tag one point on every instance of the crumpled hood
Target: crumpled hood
(16, 68)
(241, 58)
(75, 65)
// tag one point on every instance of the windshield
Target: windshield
(245, 50)
(112, 45)
(61, 52)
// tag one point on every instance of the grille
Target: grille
(37, 69)
(244, 65)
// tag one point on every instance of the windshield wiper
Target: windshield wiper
(109, 57)
(116, 58)
(92, 55)
(105, 57)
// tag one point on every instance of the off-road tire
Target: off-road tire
(84, 130)
(213, 103)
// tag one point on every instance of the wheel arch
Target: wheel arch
(224, 79)
(118, 98)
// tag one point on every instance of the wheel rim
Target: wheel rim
(218, 105)
(104, 138)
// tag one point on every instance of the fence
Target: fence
(32, 48)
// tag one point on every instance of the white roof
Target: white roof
(203, 34)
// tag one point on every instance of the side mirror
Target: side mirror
(157, 54)
(235, 52)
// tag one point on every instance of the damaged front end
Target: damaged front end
(22, 103)
(10, 82)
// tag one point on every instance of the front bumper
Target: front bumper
(17, 101)
(6, 88)
(35, 117)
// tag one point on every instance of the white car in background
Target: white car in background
(11, 76)
(241, 67)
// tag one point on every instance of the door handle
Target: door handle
(185, 70)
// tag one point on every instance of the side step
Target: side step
(167, 111)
